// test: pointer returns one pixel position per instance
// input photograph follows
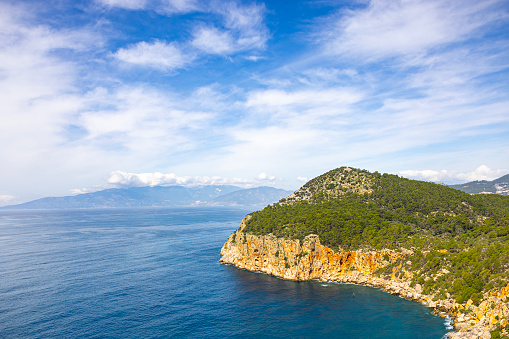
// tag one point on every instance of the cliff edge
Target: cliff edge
(306, 260)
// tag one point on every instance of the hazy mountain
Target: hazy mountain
(253, 196)
(132, 197)
(159, 196)
(497, 186)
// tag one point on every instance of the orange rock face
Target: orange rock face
(293, 260)
(494, 308)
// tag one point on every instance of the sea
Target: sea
(155, 273)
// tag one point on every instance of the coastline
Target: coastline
(309, 260)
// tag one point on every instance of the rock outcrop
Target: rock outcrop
(306, 260)
(293, 260)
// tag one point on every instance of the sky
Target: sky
(117, 93)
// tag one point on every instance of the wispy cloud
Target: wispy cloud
(310, 97)
(156, 54)
(481, 173)
(423, 70)
(165, 7)
(124, 179)
(5, 198)
(254, 58)
(138, 119)
(179, 6)
(224, 28)
(126, 4)
(265, 176)
(213, 41)
(242, 29)
(254, 147)
(388, 28)
(38, 93)
(247, 22)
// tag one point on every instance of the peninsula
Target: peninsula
(418, 240)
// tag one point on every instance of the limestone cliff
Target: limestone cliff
(293, 260)
(306, 260)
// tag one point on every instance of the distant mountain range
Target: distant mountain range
(161, 196)
(213, 195)
(254, 196)
(497, 186)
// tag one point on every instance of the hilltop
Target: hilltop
(351, 209)
(439, 245)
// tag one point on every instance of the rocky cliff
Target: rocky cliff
(296, 260)
(293, 260)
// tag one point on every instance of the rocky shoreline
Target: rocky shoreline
(307, 260)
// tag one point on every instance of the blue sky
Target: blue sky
(116, 93)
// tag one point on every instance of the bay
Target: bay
(154, 273)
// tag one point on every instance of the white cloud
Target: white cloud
(5, 198)
(125, 179)
(242, 30)
(313, 108)
(126, 4)
(179, 6)
(307, 97)
(39, 96)
(254, 58)
(274, 146)
(141, 120)
(391, 28)
(247, 21)
(239, 28)
(76, 191)
(328, 75)
(302, 179)
(213, 41)
(265, 176)
(157, 54)
(481, 173)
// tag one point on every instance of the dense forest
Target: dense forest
(460, 241)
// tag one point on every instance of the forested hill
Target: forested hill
(354, 209)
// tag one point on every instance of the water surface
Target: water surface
(154, 273)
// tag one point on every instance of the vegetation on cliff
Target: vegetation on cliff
(460, 241)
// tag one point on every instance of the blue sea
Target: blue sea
(155, 273)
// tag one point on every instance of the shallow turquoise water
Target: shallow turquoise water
(154, 273)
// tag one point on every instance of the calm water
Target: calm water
(154, 273)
